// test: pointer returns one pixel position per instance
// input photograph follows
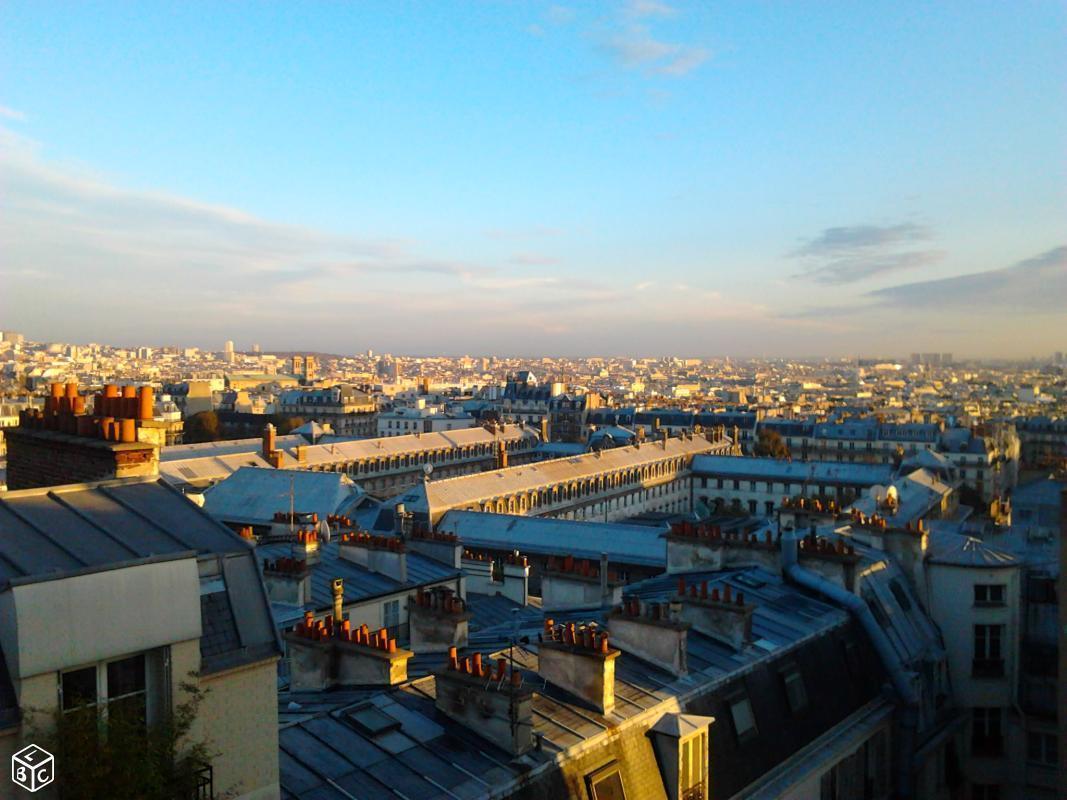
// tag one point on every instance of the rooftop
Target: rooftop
(452, 492)
(793, 471)
(253, 495)
(629, 544)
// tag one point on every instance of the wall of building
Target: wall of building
(953, 609)
(247, 742)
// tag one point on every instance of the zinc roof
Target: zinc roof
(387, 446)
(628, 544)
(454, 492)
(799, 471)
(255, 495)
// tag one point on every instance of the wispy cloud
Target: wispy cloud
(532, 260)
(1036, 284)
(637, 37)
(649, 8)
(12, 114)
(854, 253)
(636, 47)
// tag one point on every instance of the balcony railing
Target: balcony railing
(198, 784)
(987, 668)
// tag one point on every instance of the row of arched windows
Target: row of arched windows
(574, 490)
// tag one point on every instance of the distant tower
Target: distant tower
(228, 350)
(255, 349)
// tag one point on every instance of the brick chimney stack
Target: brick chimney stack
(62, 444)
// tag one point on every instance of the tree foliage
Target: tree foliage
(116, 756)
(770, 443)
(285, 424)
(202, 427)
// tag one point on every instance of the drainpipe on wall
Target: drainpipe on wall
(898, 674)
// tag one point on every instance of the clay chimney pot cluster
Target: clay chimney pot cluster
(582, 637)
(441, 600)
(115, 418)
(328, 628)
(479, 667)
(371, 542)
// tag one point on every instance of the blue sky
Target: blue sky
(618, 178)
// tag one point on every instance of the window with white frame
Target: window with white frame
(134, 686)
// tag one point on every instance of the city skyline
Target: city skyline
(643, 178)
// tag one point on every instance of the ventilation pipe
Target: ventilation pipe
(898, 674)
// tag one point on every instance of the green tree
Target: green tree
(202, 427)
(115, 754)
(286, 425)
(770, 443)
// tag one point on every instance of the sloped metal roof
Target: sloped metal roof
(388, 446)
(458, 491)
(797, 471)
(360, 582)
(629, 544)
(959, 550)
(52, 532)
(47, 532)
(255, 495)
(325, 752)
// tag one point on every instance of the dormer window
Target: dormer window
(744, 721)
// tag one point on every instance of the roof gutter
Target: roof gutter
(900, 676)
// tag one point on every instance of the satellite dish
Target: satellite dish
(878, 492)
(427, 469)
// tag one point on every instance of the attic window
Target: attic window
(743, 719)
(605, 783)
(371, 721)
(795, 693)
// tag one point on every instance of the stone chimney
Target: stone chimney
(569, 583)
(501, 455)
(306, 546)
(288, 580)
(492, 702)
(324, 654)
(544, 429)
(651, 631)
(437, 620)
(443, 547)
(478, 572)
(580, 661)
(516, 569)
(703, 547)
(513, 571)
(834, 560)
(723, 615)
(693, 547)
(382, 554)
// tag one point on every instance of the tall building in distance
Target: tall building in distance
(227, 351)
(305, 368)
